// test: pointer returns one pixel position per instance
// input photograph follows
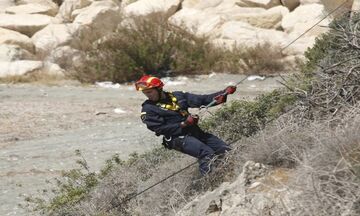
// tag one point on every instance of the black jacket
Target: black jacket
(167, 122)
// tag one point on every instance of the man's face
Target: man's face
(152, 94)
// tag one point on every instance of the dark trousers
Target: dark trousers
(204, 147)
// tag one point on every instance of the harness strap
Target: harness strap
(174, 106)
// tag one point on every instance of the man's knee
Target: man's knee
(222, 149)
(196, 148)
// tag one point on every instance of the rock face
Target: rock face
(290, 4)
(26, 24)
(258, 3)
(53, 36)
(200, 4)
(309, 13)
(332, 4)
(15, 38)
(97, 20)
(144, 7)
(59, 35)
(256, 191)
(242, 32)
(21, 67)
(302, 2)
(13, 52)
(65, 57)
(69, 6)
(268, 19)
(5, 4)
(35, 19)
(32, 9)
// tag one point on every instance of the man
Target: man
(166, 113)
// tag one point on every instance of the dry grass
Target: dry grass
(146, 45)
(262, 59)
(36, 77)
(325, 159)
(151, 45)
(328, 174)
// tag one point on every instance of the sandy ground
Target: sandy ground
(42, 126)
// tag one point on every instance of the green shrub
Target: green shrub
(244, 118)
(329, 45)
(261, 59)
(151, 45)
(330, 75)
(72, 187)
(147, 45)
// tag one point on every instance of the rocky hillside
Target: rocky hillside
(295, 151)
(42, 35)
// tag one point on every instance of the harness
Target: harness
(174, 106)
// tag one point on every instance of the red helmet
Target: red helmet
(148, 82)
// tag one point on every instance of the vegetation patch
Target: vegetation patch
(245, 118)
(33, 77)
(152, 45)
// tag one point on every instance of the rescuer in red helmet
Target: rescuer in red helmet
(166, 113)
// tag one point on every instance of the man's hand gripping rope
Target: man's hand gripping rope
(222, 97)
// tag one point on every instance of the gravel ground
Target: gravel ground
(41, 127)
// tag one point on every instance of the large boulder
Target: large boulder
(298, 47)
(302, 2)
(32, 9)
(307, 14)
(66, 57)
(5, 4)
(204, 18)
(258, 3)
(256, 191)
(265, 19)
(20, 67)
(330, 5)
(53, 36)
(48, 3)
(209, 25)
(300, 28)
(68, 6)
(27, 24)
(23, 67)
(98, 20)
(200, 4)
(290, 4)
(144, 7)
(52, 69)
(203, 22)
(15, 38)
(197, 21)
(13, 53)
(245, 34)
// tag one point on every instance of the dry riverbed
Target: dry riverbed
(41, 127)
